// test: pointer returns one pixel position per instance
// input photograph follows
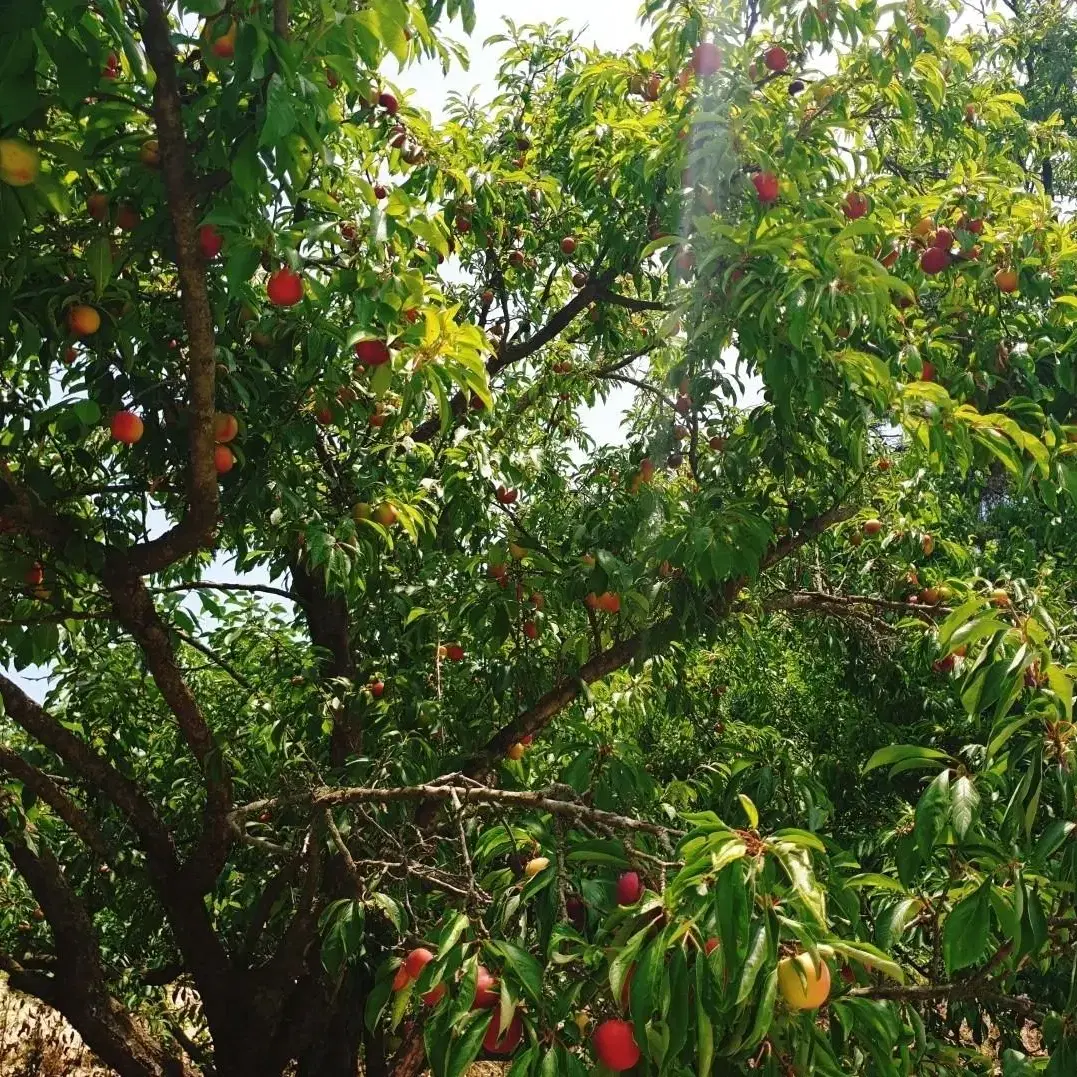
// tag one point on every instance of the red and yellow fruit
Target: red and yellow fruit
(803, 985)
(127, 427)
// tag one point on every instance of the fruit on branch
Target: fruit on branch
(377, 689)
(486, 992)
(35, 575)
(111, 70)
(1000, 598)
(417, 960)
(497, 1042)
(223, 459)
(710, 946)
(943, 239)
(389, 102)
(927, 373)
(1006, 280)
(568, 245)
(629, 888)
(766, 187)
(20, 163)
(934, 260)
(579, 279)
(435, 995)
(127, 218)
(97, 205)
(401, 979)
(923, 228)
(380, 192)
(884, 464)
(83, 321)
(225, 427)
(615, 1045)
(927, 545)
(872, 527)
(127, 427)
(372, 352)
(385, 514)
(210, 242)
(515, 752)
(284, 287)
(506, 495)
(803, 986)
(531, 630)
(535, 865)
(149, 153)
(706, 59)
(855, 205)
(776, 59)
(454, 652)
(221, 35)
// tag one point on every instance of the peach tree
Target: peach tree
(391, 715)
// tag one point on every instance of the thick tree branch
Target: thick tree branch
(48, 792)
(638, 306)
(197, 527)
(963, 990)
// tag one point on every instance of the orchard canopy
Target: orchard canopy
(390, 716)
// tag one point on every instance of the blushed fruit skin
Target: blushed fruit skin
(225, 427)
(19, 162)
(934, 260)
(417, 960)
(535, 865)
(486, 993)
(615, 1045)
(707, 59)
(401, 979)
(515, 752)
(766, 187)
(506, 1043)
(808, 993)
(629, 888)
(127, 427)
(223, 459)
(372, 352)
(83, 321)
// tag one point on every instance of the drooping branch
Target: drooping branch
(198, 524)
(327, 798)
(962, 990)
(850, 605)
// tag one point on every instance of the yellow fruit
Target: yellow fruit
(361, 510)
(150, 153)
(19, 162)
(803, 986)
(539, 863)
(515, 751)
(517, 551)
(83, 321)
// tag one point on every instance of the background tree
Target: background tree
(638, 754)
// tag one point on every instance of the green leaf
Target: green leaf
(965, 802)
(524, 967)
(904, 753)
(280, 119)
(966, 930)
(98, 258)
(932, 811)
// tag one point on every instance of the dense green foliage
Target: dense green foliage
(794, 651)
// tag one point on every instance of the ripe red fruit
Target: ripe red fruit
(516, 259)
(531, 630)
(766, 187)
(454, 652)
(506, 1043)
(70, 355)
(398, 137)
(629, 888)
(210, 242)
(776, 58)
(223, 459)
(527, 740)
(389, 102)
(856, 205)
(975, 226)
(377, 689)
(97, 206)
(127, 218)
(486, 993)
(435, 995)
(372, 352)
(710, 946)
(577, 912)
(934, 260)
(284, 288)
(417, 960)
(112, 67)
(872, 527)
(126, 426)
(401, 979)
(579, 279)
(707, 59)
(324, 415)
(928, 372)
(615, 1045)
(944, 239)
(568, 245)
(609, 601)
(35, 575)
(380, 192)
